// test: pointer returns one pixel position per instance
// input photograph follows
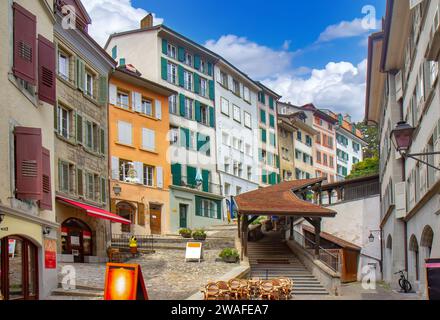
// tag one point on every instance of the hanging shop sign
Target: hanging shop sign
(50, 254)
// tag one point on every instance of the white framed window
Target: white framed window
(204, 114)
(246, 94)
(189, 103)
(125, 133)
(89, 134)
(148, 176)
(172, 101)
(433, 67)
(188, 59)
(247, 120)
(124, 169)
(203, 66)
(237, 113)
(122, 100)
(148, 139)
(64, 178)
(90, 186)
(224, 79)
(227, 164)
(174, 135)
(236, 87)
(227, 189)
(203, 87)
(64, 65)
(89, 84)
(147, 107)
(248, 149)
(188, 80)
(64, 120)
(249, 172)
(172, 51)
(225, 139)
(172, 73)
(225, 106)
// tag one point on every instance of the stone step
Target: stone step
(83, 287)
(78, 293)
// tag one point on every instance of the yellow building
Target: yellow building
(138, 146)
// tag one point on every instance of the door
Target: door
(19, 269)
(183, 214)
(155, 219)
(76, 239)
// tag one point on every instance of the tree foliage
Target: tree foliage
(368, 167)
(371, 136)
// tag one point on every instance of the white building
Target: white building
(403, 85)
(236, 127)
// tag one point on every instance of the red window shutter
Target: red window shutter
(46, 202)
(46, 70)
(28, 163)
(25, 44)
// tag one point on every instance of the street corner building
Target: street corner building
(81, 148)
(28, 227)
(139, 146)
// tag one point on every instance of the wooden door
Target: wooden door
(155, 219)
(183, 216)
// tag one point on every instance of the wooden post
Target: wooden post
(330, 192)
(291, 229)
(239, 225)
(244, 241)
(317, 225)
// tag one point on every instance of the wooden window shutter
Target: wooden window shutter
(80, 74)
(164, 69)
(159, 177)
(182, 104)
(196, 83)
(103, 90)
(164, 46)
(181, 75)
(25, 44)
(212, 117)
(181, 54)
(102, 140)
(198, 111)
(158, 109)
(197, 61)
(46, 201)
(141, 214)
(80, 182)
(28, 163)
(103, 190)
(211, 90)
(79, 129)
(46, 71)
(176, 172)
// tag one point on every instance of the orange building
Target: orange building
(138, 146)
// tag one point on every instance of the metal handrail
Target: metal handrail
(325, 256)
(123, 241)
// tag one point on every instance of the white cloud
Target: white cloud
(347, 29)
(254, 59)
(339, 87)
(110, 16)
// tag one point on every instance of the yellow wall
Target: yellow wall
(133, 192)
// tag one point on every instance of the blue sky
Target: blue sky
(307, 51)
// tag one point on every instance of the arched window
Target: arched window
(389, 242)
(126, 211)
(426, 241)
(414, 248)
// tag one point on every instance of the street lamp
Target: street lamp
(371, 237)
(402, 138)
(117, 189)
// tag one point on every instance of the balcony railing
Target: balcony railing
(330, 258)
(203, 186)
(123, 241)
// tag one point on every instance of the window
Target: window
(64, 65)
(227, 189)
(298, 155)
(203, 87)
(246, 94)
(247, 120)
(225, 139)
(188, 80)
(355, 160)
(172, 52)
(224, 79)
(207, 208)
(124, 170)
(89, 134)
(174, 135)
(64, 120)
(90, 186)
(318, 156)
(273, 141)
(332, 162)
(172, 101)
(325, 160)
(203, 66)
(125, 133)
(248, 149)
(225, 106)
(148, 176)
(172, 73)
(249, 172)
(318, 138)
(237, 113)
(262, 116)
(188, 59)
(299, 135)
(227, 165)
(356, 146)
(204, 114)
(65, 181)
(147, 107)
(238, 190)
(189, 108)
(148, 139)
(89, 84)
(309, 141)
(236, 87)
(122, 100)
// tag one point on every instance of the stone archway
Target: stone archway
(76, 239)
(388, 265)
(127, 211)
(426, 241)
(414, 263)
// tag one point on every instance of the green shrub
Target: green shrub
(259, 220)
(200, 233)
(185, 231)
(229, 253)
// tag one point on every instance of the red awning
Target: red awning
(95, 212)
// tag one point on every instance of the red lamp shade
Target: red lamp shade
(402, 136)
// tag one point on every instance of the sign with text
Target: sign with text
(124, 282)
(433, 278)
(50, 254)
(193, 251)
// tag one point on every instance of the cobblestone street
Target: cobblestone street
(167, 276)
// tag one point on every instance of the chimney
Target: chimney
(147, 22)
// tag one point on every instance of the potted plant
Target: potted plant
(199, 235)
(229, 255)
(185, 233)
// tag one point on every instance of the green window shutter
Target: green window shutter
(273, 139)
(272, 178)
(185, 137)
(198, 206)
(263, 135)
(115, 52)
(181, 54)
(271, 103)
(212, 117)
(176, 171)
(196, 62)
(103, 90)
(263, 98)
(200, 141)
(211, 90)
(164, 68)
(262, 116)
(182, 104)
(102, 149)
(196, 83)
(210, 68)
(219, 209)
(181, 76)
(165, 46)
(205, 176)
(191, 173)
(278, 161)
(79, 182)
(264, 176)
(122, 62)
(103, 191)
(80, 74)
(260, 155)
(198, 111)
(272, 121)
(79, 129)
(278, 178)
